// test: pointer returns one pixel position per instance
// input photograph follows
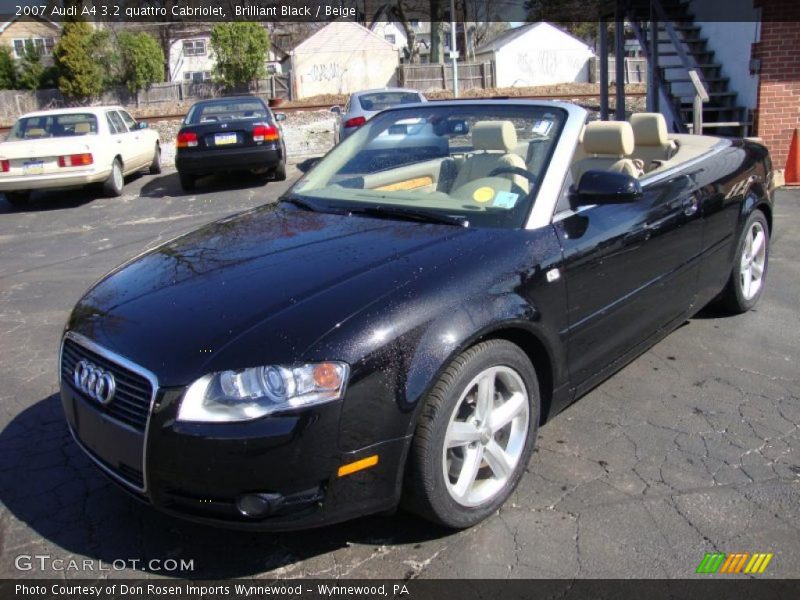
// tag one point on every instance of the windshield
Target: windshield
(479, 163)
(226, 110)
(53, 125)
(384, 100)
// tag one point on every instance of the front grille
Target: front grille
(131, 402)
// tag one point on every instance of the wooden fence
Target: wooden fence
(16, 102)
(635, 70)
(440, 76)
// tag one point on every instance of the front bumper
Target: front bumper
(53, 180)
(201, 162)
(199, 471)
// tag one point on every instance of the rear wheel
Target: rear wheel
(116, 181)
(475, 436)
(187, 182)
(18, 198)
(746, 283)
(280, 171)
(155, 166)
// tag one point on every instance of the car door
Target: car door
(630, 269)
(121, 141)
(139, 138)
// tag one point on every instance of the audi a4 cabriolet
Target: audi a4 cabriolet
(394, 330)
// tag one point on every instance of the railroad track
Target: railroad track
(313, 107)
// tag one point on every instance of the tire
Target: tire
(749, 271)
(187, 182)
(280, 172)
(439, 483)
(155, 166)
(18, 199)
(115, 182)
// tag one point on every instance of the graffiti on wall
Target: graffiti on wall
(325, 72)
(551, 63)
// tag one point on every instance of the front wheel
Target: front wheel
(474, 437)
(746, 283)
(115, 182)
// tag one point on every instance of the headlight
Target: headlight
(252, 393)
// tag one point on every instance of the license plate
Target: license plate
(224, 138)
(33, 167)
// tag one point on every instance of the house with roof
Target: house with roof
(38, 33)
(536, 54)
(191, 59)
(341, 58)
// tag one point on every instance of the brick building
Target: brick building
(778, 50)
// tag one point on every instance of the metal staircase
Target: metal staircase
(682, 48)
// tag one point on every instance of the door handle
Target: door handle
(690, 205)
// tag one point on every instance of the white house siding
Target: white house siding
(342, 58)
(541, 56)
(179, 63)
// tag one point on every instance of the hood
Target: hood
(259, 287)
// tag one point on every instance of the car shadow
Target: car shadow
(170, 185)
(59, 200)
(306, 165)
(45, 200)
(48, 484)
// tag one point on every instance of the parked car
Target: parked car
(74, 147)
(230, 134)
(362, 106)
(385, 336)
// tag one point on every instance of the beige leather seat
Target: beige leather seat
(82, 128)
(609, 145)
(494, 143)
(653, 147)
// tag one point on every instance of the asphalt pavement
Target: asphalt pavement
(692, 448)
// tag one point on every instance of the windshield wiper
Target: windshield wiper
(411, 214)
(302, 203)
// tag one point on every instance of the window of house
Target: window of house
(43, 46)
(194, 47)
(196, 76)
(390, 38)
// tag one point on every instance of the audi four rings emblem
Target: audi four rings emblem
(94, 382)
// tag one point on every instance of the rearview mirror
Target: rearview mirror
(605, 187)
(336, 110)
(280, 117)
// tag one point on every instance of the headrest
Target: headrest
(613, 138)
(649, 129)
(35, 132)
(494, 135)
(82, 128)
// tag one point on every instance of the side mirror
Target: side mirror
(280, 117)
(142, 125)
(336, 110)
(604, 187)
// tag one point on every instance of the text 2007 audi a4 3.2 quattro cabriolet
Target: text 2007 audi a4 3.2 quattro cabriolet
(396, 328)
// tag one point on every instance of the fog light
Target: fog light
(257, 506)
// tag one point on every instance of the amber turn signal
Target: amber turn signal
(359, 465)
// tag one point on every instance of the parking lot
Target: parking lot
(692, 448)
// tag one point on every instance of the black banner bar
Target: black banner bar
(368, 11)
(433, 589)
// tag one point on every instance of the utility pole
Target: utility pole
(453, 46)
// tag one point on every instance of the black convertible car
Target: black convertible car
(396, 328)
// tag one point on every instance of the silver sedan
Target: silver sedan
(362, 106)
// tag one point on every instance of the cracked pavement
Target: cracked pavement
(692, 448)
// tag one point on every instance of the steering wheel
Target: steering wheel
(514, 171)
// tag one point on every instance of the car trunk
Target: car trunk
(228, 134)
(40, 157)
